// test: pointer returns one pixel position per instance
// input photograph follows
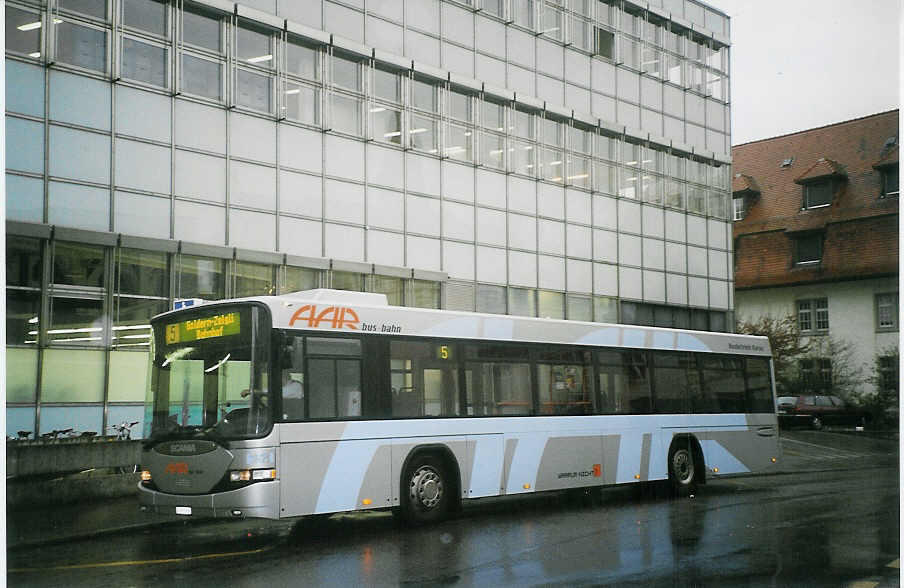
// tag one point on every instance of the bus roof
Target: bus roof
(340, 311)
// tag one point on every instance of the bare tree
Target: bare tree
(828, 366)
(883, 401)
(786, 343)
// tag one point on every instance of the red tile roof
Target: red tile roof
(860, 227)
(821, 168)
(743, 183)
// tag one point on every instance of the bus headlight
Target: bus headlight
(249, 475)
(239, 475)
(263, 474)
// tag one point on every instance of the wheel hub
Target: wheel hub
(681, 464)
(426, 488)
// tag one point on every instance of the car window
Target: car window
(808, 400)
(837, 401)
(787, 399)
(823, 401)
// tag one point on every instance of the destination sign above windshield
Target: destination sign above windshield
(220, 325)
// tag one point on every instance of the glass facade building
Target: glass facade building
(552, 158)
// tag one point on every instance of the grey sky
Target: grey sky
(799, 64)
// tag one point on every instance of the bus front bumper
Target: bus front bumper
(259, 500)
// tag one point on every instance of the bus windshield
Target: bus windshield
(209, 374)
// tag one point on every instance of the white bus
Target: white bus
(327, 401)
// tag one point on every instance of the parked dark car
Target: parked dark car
(816, 411)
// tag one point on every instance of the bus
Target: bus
(328, 401)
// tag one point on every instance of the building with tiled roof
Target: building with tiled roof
(816, 234)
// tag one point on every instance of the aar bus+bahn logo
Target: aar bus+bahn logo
(331, 317)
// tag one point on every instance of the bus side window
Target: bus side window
(424, 379)
(759, 387)
(293, 379)
(334, 385)
(624, 382)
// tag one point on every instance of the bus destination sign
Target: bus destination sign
(220, 325)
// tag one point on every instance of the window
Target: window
(81, 46)
(890, 181)
(887, 312)
(298, 279)
(252, 279)
(522, 301)
(301, 87)
(387, 118)
(494, 7)
(738, 212)
(808, 249)
(347, 98)
(759, 386)
(201, 277)
(334, 376)
(202, 29)
(676, 379)
(255, 51)
(565, 388)
(144, 62)
(23, 32)
(424, 379)
(425, 294)
(816, 375)
(146, 15)
(818, 194)
(605, 43)
(202, 77)
(460, 129)
(523, 11)
(496, 380)
(813, 315)
(624, 382)
(888, 375)
(203, 57)
(393, 288)
(723, 388)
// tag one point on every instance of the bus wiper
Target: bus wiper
(186, 432)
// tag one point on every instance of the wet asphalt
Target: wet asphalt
(831, 518)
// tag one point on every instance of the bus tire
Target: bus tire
(682, 467)
(426, 490)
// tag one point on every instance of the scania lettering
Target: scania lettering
(327, 401)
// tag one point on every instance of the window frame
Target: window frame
(893, 303)
(885, 174)
(798, 240)
(816, 310)
(738, 209)
(827, 184)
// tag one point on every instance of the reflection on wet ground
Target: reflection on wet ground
(835, 523)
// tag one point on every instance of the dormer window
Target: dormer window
(818, 194)
(890, 187)
(808, 249)
(820, 182)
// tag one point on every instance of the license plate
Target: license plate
(183, 510)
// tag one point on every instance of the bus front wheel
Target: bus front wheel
(426, 490)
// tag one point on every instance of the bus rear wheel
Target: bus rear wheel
(426, 490)
(682, 470)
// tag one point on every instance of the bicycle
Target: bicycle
(124, 433)
(124, 430)
(55, 434)
(20, 436)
